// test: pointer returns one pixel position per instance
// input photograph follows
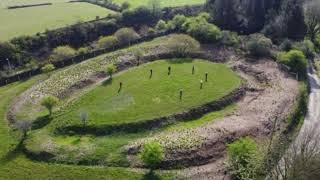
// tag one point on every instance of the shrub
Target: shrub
(242, 158)
(183, 44)
(152, 154)
(62, 52)
(295, 59)
(229, 38)
(177, 22)
(108, 42)
(83, 50)
(49, 102)
(126, 35)
(307, 47)
(161, 25)
(125, 5)
(140, 16)
(111, 69)
(23, 127)
(259, 46)
(47, 69)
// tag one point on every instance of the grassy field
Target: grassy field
(143, 97)
(163, 3)
(140, 98)
(29, 21)
(17, 166)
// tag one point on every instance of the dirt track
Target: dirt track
(273, 94)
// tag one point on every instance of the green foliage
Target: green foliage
(230, 38)
(242, 158)
(125, 5)
(307, 47)
(177, 22)
(259, 46)
(161, 25)
(111, 69)
(126, 35)
(48, 68)
(295, 59)
(183, 45)
(108, 42)
(49, 102)
(152, 154)
(83, 50)
(62, 52)
(286, 45)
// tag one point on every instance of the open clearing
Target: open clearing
(144, 97)
(32, 20)
(163, 3)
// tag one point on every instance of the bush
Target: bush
(286, 45)
(83, 50)
(62, 52)
(307, 47)
(48, 68)
(242, 158)
(183, 44)
(177, 22)
(162, 26)
(259, 46)
(108, 42)
(49, 102)
(295, 59)
(152, 154)
(139, 16)
(126, 35)
(229, 38)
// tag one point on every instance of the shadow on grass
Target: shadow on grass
(151, 176)
(12, 154)
(180, 60)
(40, 122)
(107, 82)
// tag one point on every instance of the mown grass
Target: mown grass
(29, 21)
(163, 3)
(14, 165)
(144, 97)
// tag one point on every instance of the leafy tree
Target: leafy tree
(108, 42)
(140, 16)
(177, 22)
(8, 51)
(155, 8)
(295, 59)
(83, 50)
(126, 35)
(161, 25)
(111, 69)
(125, 5)
(242, 158)
(62, 52)
(48, 68)
(49, 102)
(152, 154)
(183, 44)
(307, 47)
(138, 54)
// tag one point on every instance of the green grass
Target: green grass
(29, 21)
(16, 166)
(163, 3)
(144, 98)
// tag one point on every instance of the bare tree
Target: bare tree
(302, 159)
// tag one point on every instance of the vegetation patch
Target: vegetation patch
(163, 3)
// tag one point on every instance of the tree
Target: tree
(155, 8)
(312, 17)
(152, 154)
(49, 102)
(259, 46)
(183, 44)
(125, 5)
(24, 127)
(47, 69)
(142, 15)
(10, 52)
(62, 52)
(126, 35)
(161, 25)
(111, 69)
(108, 42)
(138, 53)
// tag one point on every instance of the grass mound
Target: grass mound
(145, 96)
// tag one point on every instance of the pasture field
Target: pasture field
(163, 3)
(144, 96)
(32, 20)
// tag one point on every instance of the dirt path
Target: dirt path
(254, 116)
